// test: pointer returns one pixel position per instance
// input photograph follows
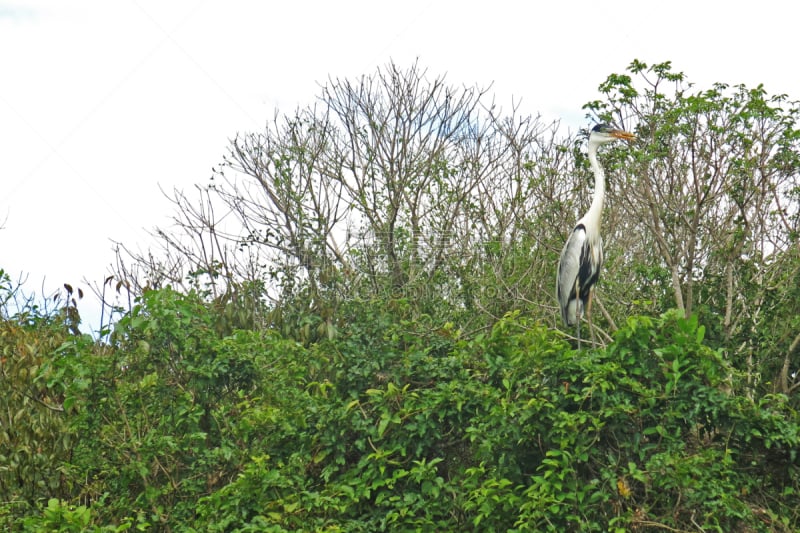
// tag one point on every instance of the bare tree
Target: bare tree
(390, 185)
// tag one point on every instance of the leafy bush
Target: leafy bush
(35, 438)
(514, 431)
(405, 425)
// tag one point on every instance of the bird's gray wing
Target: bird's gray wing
(569, 266)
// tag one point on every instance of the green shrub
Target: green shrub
(396, 424)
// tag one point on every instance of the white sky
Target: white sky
(103, 101)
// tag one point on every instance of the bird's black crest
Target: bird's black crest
(601, 127)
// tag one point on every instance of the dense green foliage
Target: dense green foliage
(367, 340)
(394, 425)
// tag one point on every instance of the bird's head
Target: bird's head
(603, 133)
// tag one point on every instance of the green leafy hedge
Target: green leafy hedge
(401, 425)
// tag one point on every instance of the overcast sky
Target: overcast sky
(103, 102)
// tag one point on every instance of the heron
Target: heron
(582, 256)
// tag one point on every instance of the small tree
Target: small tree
(709, 190)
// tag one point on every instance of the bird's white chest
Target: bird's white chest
(595, 245)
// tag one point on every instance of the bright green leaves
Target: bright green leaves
(400, 425)
(61, 517)
(620, 83)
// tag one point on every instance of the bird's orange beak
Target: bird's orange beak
(621, 134)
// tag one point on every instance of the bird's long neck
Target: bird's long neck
(593, 215)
